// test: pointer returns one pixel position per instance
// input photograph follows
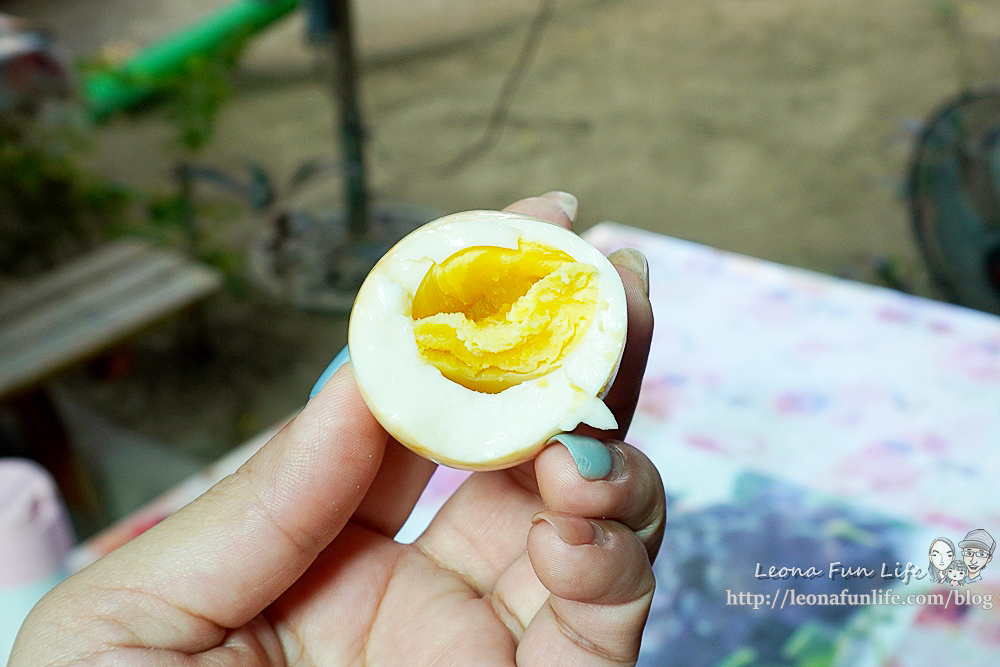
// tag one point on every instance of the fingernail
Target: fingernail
(572, 529)
(634, 261)
(592, 457)
(342, 358)
(564, 200)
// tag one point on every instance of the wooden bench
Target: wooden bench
(91, 304)
(75, 313)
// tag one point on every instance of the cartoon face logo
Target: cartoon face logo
(977, 550)
(956, 572)
(941, 554)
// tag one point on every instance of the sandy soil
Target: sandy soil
(773, 128)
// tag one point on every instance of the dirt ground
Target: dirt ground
(774, 128)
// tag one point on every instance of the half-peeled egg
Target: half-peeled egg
(481, 335)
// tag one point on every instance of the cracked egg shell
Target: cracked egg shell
(481, 335)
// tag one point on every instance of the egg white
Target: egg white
(445, 421)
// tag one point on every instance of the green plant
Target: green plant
(190, 100)
(50, 206)
(194, 96)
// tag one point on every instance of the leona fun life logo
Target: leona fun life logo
(964, 565)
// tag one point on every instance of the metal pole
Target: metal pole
(345, 89)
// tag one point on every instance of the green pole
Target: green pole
(110, 90)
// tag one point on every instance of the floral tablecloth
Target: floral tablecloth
(831, 414)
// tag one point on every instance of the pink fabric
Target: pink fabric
(35, 538)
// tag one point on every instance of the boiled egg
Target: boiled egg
(481, 335)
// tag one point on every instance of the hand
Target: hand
(291, 560)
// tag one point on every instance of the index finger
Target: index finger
(556, 207)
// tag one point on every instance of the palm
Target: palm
(465, 590)
(463, 593)
(403, 609)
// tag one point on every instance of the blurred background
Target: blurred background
(781, 129)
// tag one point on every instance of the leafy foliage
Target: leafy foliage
(194, 96)
(50, 207)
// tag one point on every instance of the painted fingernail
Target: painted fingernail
(592, 457)
(634, 261)
(342, 358)
(572, 529)
(564, 200)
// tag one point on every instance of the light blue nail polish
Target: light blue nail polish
(342, 358)
(592, 457)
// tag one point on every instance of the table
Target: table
(795, 418)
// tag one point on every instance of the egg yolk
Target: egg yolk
(489, 318)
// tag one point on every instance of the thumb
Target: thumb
(230, 553)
